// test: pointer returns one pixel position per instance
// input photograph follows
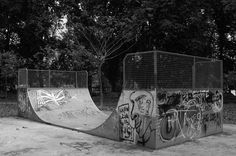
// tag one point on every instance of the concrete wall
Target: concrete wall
(24, 107)
(187, 115)
(165, 118)
(138, 117)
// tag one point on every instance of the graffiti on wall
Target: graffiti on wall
(136, 117)
(179, 119)
(212, 113)
(182, 113)
(50, 100)
(126, 131)
(175, 114)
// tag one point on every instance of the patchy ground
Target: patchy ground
(230, 113)
(23, 137)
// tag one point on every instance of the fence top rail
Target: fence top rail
(171, 53)
(80, 71)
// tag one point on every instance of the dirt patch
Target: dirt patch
(20, 152)
(229, 115)
(81, 146)
(8, 110)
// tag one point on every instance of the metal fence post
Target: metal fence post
(27, 81)
(18, 79)
(193, 73)
(6, 85)
(76, 79)
(49, 78)
(86, 79)
(123, 85)
(222, 75)
(155, 69)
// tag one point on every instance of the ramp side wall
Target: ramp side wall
(157, 119)
(24, 107)
(188, 114)
(109, 129)
(138, 117)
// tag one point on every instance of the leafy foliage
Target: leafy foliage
(96, 31)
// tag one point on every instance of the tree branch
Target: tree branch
(90, 42)
(120, 52)
(111, 51)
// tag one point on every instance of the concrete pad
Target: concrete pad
(23, 137)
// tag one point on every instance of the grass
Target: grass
(229, 115)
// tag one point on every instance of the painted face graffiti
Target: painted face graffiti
(142, 103)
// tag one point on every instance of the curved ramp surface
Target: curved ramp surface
(71, 108)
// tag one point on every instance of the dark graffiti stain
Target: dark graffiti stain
(78, 145)
(186, 114)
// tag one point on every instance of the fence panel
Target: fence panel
(174, 71)
(139, 71)
(164, 70)
(208, 74)
(52, 78)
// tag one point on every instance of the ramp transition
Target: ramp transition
(69, 108)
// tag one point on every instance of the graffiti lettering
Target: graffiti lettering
(184, 122)
(126, 130)
(182, 116)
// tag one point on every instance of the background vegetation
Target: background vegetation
(95, 35)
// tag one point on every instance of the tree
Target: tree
(100, 31)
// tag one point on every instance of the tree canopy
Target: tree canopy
(80, 34)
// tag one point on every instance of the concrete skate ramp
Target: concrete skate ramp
(71, 108)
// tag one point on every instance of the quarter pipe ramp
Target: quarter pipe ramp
(68, 108)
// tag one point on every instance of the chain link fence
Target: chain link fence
(208, 74)
(164, 70)
(33, 78)
(139, 71)
(8, 86)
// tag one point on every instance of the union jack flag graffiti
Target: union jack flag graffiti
(45, 97)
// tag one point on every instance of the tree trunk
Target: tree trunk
(100, 84)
